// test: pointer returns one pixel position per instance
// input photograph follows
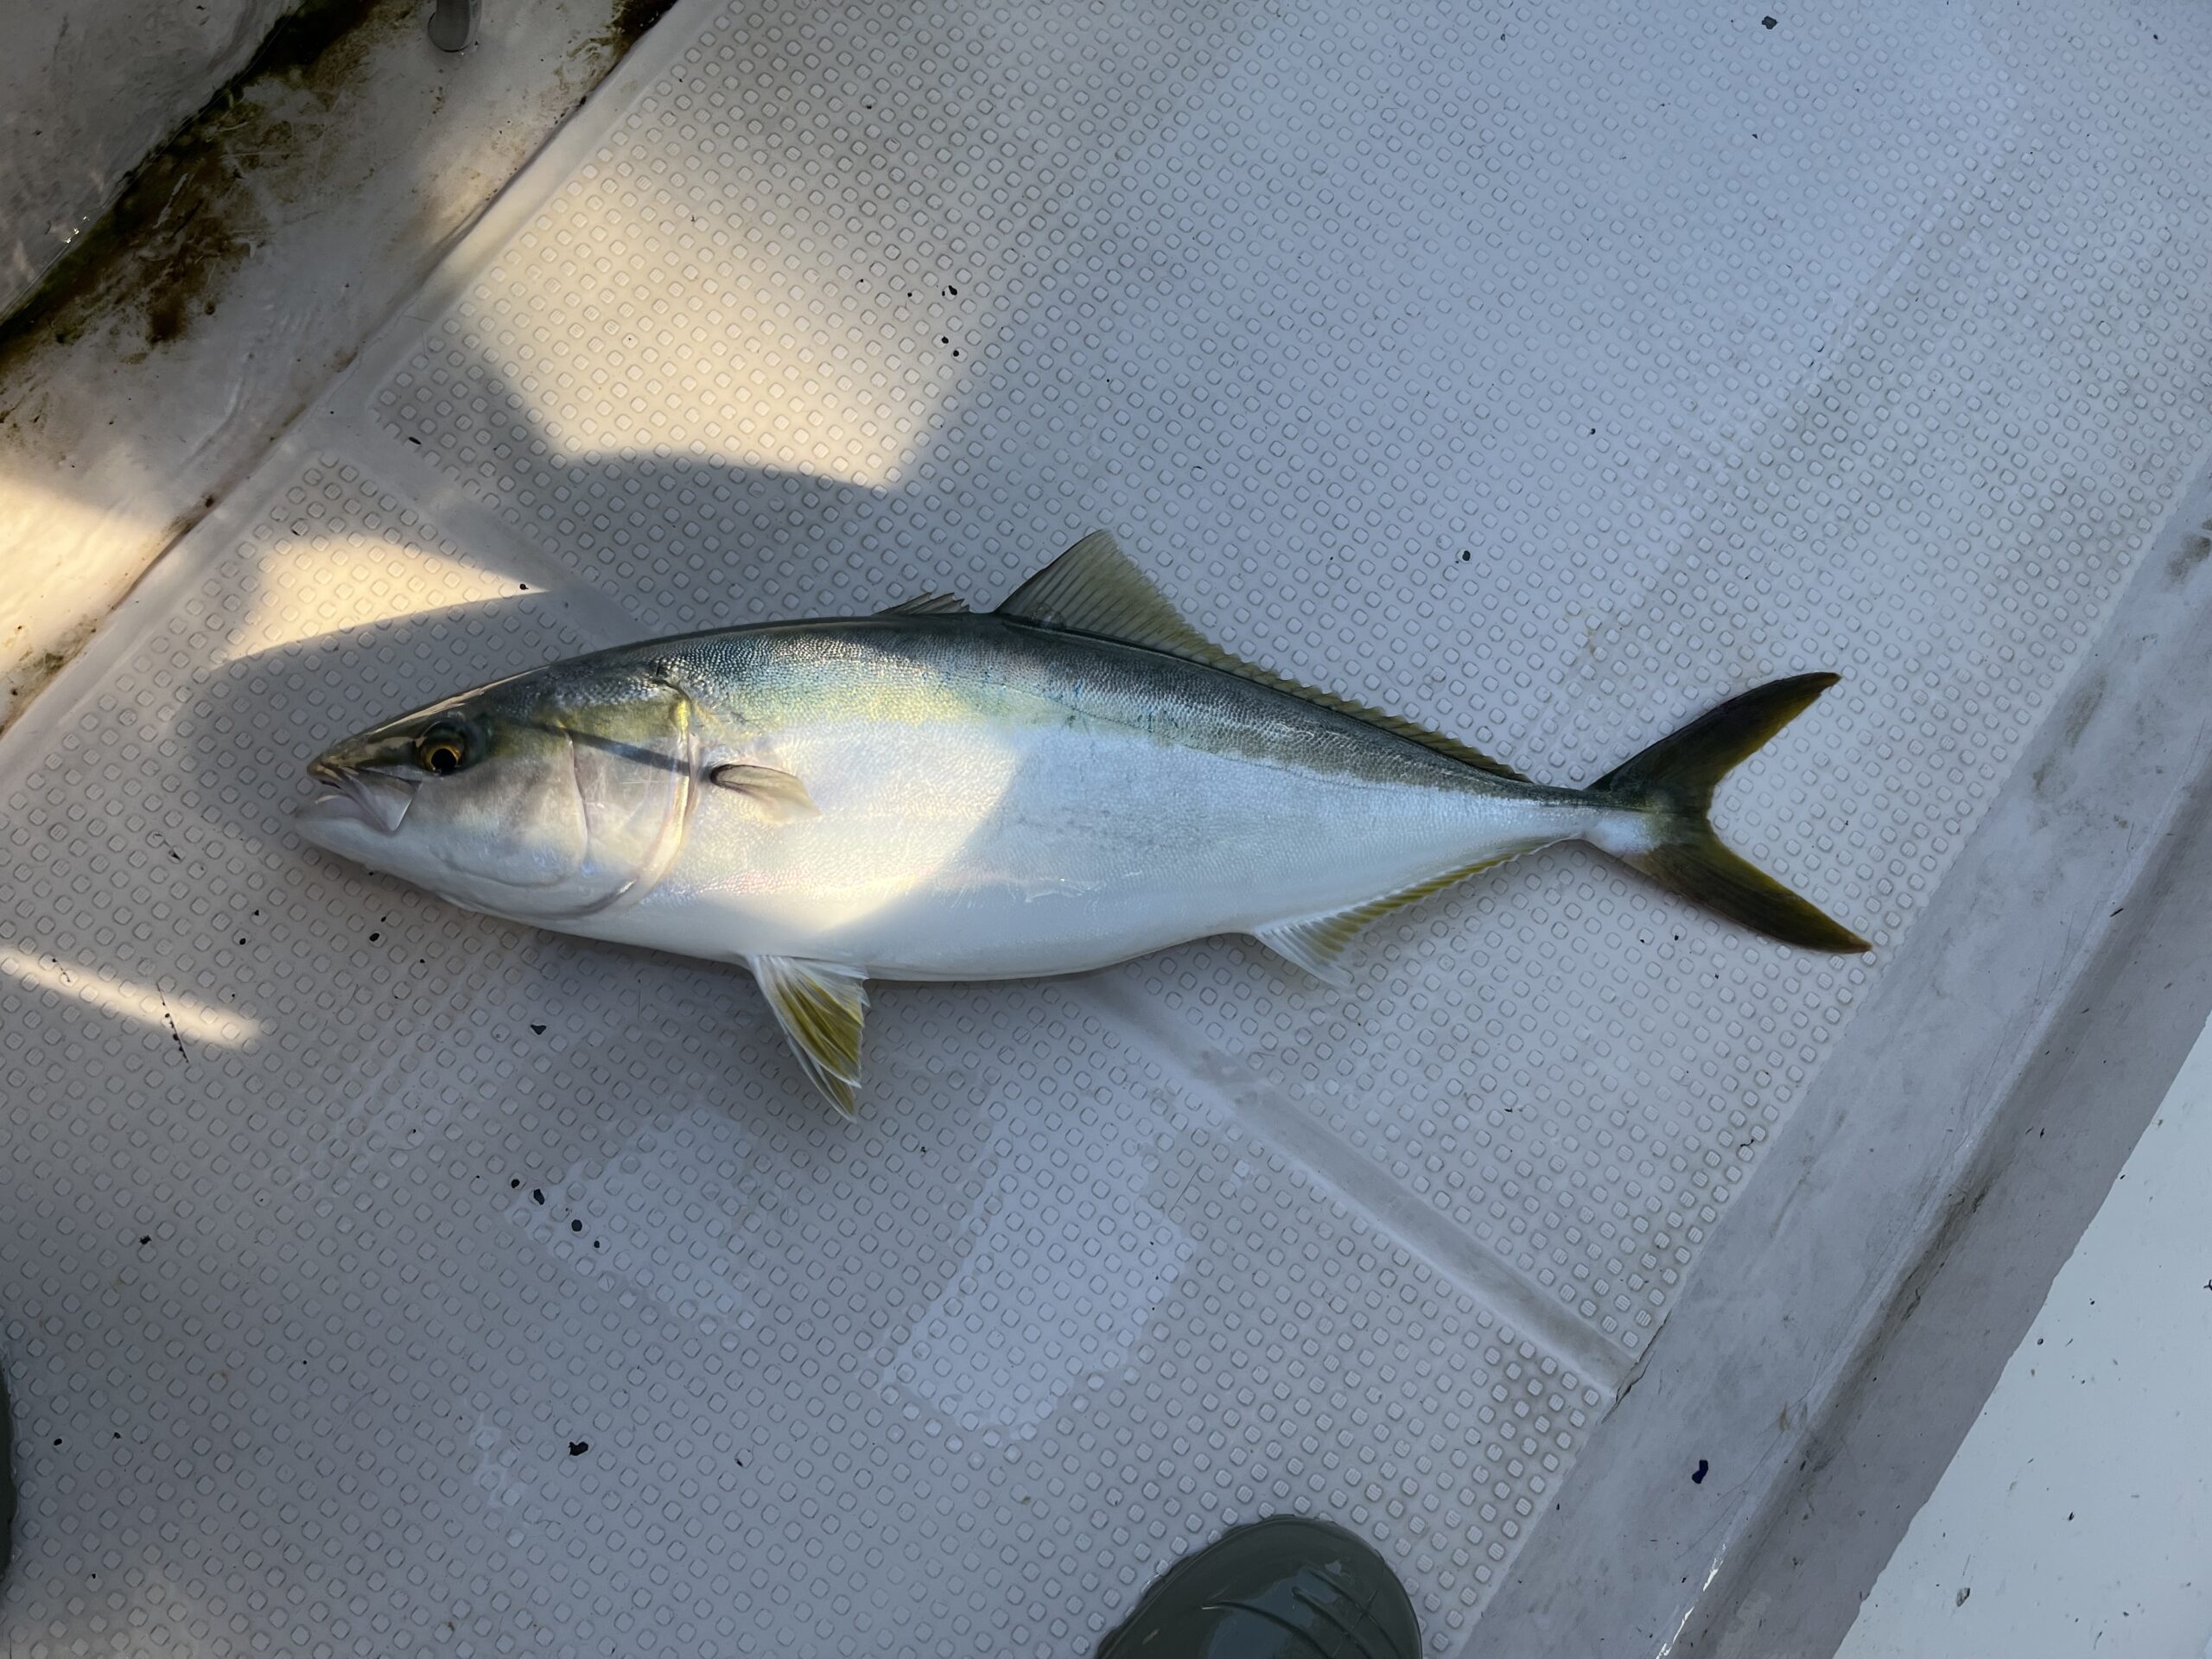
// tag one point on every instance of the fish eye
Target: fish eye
(442, 749)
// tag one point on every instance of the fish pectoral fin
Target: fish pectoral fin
(1094, 589)
(927, 605)
(820, 1005)
(778, 791)
(1318, 943)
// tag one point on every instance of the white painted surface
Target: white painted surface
(2076, 1519)
(86, 89)
(347, 182)
(1348, 1192)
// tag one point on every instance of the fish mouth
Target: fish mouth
(374, 799)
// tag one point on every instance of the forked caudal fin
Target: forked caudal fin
(1671, 786)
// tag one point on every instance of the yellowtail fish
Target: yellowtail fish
(1075, 779)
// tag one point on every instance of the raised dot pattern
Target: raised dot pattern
(1541, 382)
(1479, 368)
(487, 1299)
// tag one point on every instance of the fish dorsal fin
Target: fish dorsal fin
(820, 1005)
(927, 605)
(1094, 589)
(1318, 943)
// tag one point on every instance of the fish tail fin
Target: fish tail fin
(1669, 787)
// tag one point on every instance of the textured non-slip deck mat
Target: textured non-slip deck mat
(385, 1279)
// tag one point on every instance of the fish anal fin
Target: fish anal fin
(927, 605)
(821, 1006)
(1318, 943)
(1315, 943)
(1094, 588)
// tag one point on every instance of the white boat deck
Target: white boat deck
(391, 1280)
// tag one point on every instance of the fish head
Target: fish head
(550, 796)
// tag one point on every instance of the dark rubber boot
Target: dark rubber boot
(1282, 1588)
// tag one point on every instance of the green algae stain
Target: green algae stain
(197, 206)
(192, 210)
(631, 20)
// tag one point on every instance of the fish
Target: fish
(1075, 779)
